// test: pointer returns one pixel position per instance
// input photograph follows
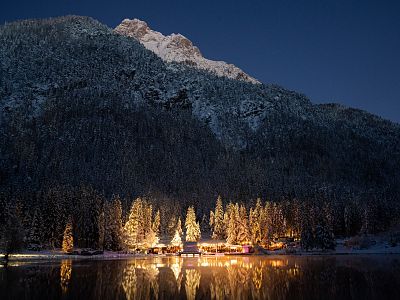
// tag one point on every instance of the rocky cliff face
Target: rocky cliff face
(177, 48)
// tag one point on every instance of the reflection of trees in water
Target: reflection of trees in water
(65, 274)
(257, 279)
(140, 280)
(192, 283)
(176, 267)
(216, 278)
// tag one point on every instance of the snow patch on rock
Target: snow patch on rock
(177, 48)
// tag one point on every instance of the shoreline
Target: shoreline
(58, 255)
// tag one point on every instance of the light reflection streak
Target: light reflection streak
(231, 277)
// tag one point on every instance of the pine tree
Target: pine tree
(307, 240)
(324, 237)
(34, 238)
(117, 230)
(132, 226)
(179, 226)
(171, 227)
(268, 225)
(192, 227)
(256, 221)
(177, 240)
(232, 216)
(12, 233)
(217, 220)
(138, 230)
(205, 226)
(156, 224)
(149, 238)
(68, 240)
(243, 235)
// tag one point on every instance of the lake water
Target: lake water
(240, 277)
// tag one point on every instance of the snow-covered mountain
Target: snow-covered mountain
(84, 106)
(177, 48)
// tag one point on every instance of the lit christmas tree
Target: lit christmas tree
(193, 232)
(176, 241)
(217, 220)
(68, 240)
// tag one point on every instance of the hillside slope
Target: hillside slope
(80, 104)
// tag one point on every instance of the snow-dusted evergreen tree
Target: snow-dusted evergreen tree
(34, 238)
(12, 232)
(232, 217)
(243, 234)
(307, 226)
(138, 229)
(192, 227)
(324, 237)
(133, 225)
(177, 239)
(149, 236)
(179, 226)
(101, 223)
(256, 221)
(156, 224)
(205, 226)
(278, 222)
(68, 240)
(217, 220)
(171, 227)
(113, 225)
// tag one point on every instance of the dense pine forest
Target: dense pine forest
(90, 121)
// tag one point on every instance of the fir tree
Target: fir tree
(132, 226)
(243, 236)
(217, 220)
(34, 238)
(192, 227)
(324, 237)
(138, 230)
(177, 240)
(179, 226)
(256, 221)
(12, 233)
(171, 226)
(68, 240)
(156, 224)
(117, 233)
(232, 215)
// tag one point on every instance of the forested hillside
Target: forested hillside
(85, 111)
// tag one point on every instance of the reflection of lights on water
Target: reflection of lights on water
(65, 274)
(192, 283)
(276, 263)
(176, 269)
(229, 275)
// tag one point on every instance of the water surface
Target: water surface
(241, 277)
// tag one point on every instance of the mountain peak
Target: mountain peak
(178, 48)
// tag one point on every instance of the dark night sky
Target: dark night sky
(341, 51)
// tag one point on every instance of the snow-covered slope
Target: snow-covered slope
(177, 48)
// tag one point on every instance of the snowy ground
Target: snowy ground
(381, 246)
(57, 254)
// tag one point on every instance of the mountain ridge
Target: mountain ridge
(178, 48)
